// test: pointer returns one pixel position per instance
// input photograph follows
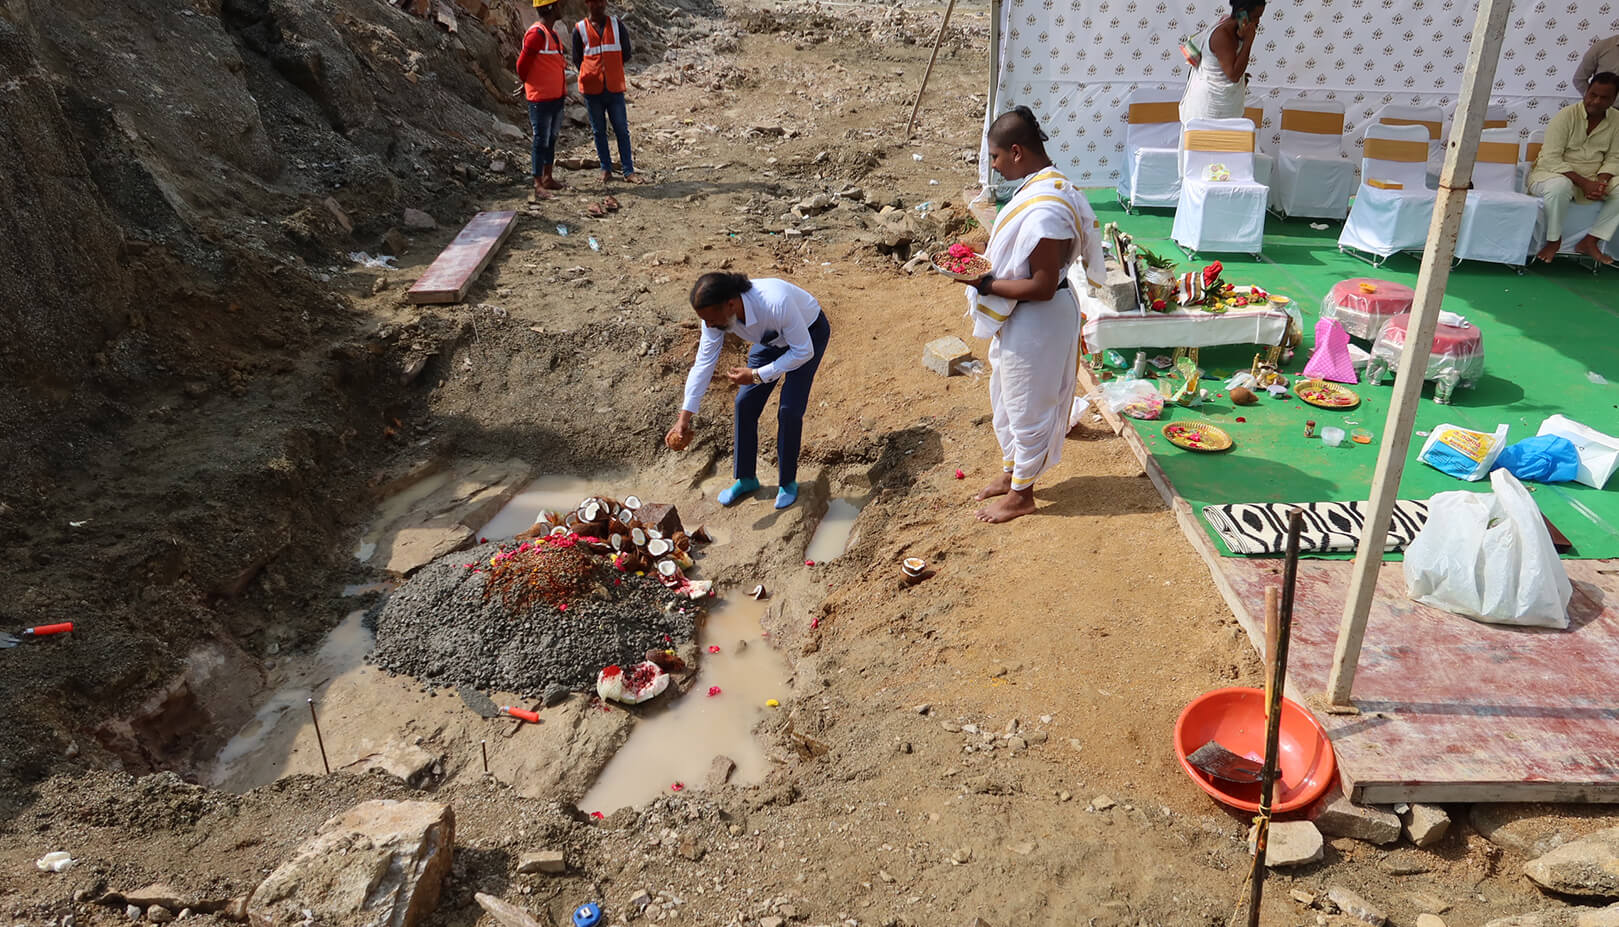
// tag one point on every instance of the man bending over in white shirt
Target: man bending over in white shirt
(788, 332)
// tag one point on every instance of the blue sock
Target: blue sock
(786, 495)
(734, 493)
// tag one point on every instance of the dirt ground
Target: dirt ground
(216, 498)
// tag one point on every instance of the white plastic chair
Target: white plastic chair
(1151, 175)
(1264, 164)
(1498, 223)
(1220, 215)
(1393, 206)
(1313, 178)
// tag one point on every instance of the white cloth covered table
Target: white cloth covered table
(1183, 328)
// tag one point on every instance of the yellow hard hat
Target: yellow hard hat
(540, 3)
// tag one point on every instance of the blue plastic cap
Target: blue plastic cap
(586, 915)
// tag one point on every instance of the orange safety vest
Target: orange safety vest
(545, 78)
(602, 67)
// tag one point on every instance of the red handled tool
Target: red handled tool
(44, 630)
(522, 714)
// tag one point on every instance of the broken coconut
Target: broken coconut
(632, 502)
(702, 536)
(759, 592)
(644, 681)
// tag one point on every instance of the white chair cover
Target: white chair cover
(1393, 206)
(1431, 118)
(1264, 164)
(1498, 223)
(1227, 215)
(1313, 178)
(1151, 175)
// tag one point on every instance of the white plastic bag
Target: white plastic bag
(1599, 453)
(1489, 556)
(1135, 398)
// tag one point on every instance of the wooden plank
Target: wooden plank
(1489, 30)
(452, 273)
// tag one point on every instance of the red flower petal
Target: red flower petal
(713, 648)
(713, 691)
(677, 786)
(1241, 419)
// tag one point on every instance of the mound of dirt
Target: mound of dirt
(558, 623)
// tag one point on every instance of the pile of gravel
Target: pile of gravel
(438, 629)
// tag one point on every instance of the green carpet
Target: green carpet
(1543, 332)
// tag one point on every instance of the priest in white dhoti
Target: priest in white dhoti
(1026, 309)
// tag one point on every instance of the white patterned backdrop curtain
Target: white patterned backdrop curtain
(1074, 61)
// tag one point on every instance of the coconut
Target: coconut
(668, 569)
(701, 535)
(658, 547)
(1243, 396)
(638, 536)
(632, 502)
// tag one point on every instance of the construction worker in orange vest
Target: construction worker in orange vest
(541, 66)
(600, 49)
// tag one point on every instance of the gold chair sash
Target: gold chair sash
(1384, 184)
(1497, 153)
(1432, 127)
(1389, 149)
(1154, 113)
(1219, 140)
(1313, 123)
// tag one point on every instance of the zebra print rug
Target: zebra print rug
(1261, 527)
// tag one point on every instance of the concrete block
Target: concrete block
(1425, 825)
(941, 354)
(1336, 816)
(1291, 843)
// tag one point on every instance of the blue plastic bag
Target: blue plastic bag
(1542, 459)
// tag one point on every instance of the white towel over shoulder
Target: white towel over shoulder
(1048, 205)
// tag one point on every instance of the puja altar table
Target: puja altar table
(1106, 327)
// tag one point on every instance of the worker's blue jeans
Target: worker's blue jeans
(545, 118)
(795, 390)
(603, 107)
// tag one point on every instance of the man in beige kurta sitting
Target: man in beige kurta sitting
(1577, 163)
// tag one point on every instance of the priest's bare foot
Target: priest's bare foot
(1016, 503)
(1545, 255)
(1591, 247)
(999, 487)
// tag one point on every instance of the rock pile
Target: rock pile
(442, 628)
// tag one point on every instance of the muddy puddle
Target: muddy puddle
(260, 751)
(835, 532)
(678, 744)
(395, 507)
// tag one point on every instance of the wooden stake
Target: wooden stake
(1489, 29)
(318, 739)
(929, 72)
(1273, 618)
(1273, 711)
(484, 746)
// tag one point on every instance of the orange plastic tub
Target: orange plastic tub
(1236, 718)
